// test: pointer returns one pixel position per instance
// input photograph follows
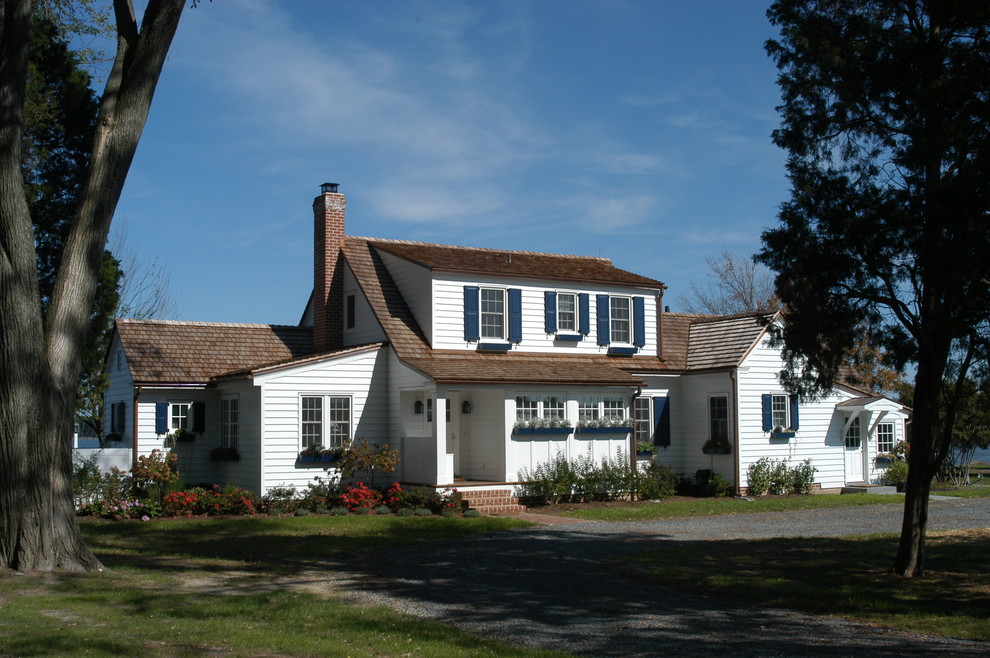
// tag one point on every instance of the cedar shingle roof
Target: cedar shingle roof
(462, 367)
(528, 264)
(722, 341)
(165, 352)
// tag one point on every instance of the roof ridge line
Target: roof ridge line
(483, 249)
(194, 323)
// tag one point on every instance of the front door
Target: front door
(454, 429)
(854, 452)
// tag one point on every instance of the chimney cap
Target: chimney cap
(328, 188)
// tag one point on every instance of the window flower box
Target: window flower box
(182, 434)
(605, 430)
(542, 430)
(225, 455)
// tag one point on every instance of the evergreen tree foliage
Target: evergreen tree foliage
(886, 122)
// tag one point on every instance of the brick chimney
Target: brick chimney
(328, 295)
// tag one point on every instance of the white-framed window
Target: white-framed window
(325, 420)
(885, 437)
(567, 312)
(854, 438)
(179, 415)
(229, 420)
(544, 406)
(718, 419)
(620, 319)
(642, 425)
(350, 302)
(780, 410)
(493, 313)
(602, 407)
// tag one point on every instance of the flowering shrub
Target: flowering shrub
(394, 497)
(120, 509)
(210, 502)
(358, 495)
(447, 501)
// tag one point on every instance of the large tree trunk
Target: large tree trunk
(40, 363)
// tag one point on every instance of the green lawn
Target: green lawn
(712, 506)
(849, 577)
(160, 601)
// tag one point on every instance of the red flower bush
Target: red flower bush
(359, 496)
(210, 502)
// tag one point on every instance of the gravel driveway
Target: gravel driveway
(557, 587)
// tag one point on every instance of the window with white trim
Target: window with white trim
(885, 437)
(325, 420)
(589, 409)
(718, 419)
(620, 319)
(228, 421)
(853, 437)
(613, 407)
(178, 415)
(540, 406)
(567, 308)
(602, 407)
(492, 313)
(780, 411)
(642, 425)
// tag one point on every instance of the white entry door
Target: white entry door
(854, 452)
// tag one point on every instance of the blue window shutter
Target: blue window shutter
(550, 311)
(199, 417)
(585, 303)
(639, 322)
(515, 315)
(794, 411)
(472, 330)
(604, 330)
(161, 418)
(661, 422)
(767, 412)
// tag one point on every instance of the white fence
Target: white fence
(106, 458)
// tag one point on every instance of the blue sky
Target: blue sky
(638, 131)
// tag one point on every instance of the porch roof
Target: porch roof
(454, 367)
(859, 403)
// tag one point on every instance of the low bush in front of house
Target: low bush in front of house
(773, 476)
(583, 479)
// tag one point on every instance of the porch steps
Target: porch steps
(868, 489)
(493, 502)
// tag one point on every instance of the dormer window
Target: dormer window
(492, 313)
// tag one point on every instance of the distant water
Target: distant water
(982, 456)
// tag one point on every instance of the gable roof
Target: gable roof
(523, 264)
(170, 352)
(722, 342)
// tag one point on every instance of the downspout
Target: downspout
(134, 429)
(735, 438)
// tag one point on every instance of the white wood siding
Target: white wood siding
(413, 281)
(363, 377)
(120, 389)
(366, 327)
(693, 424)
(448, 331)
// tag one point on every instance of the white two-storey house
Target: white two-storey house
(476, 364)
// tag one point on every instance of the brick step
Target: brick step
(502, 510)
(493, 502)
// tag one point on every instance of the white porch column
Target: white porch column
(444, 471)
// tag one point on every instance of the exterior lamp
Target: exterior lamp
(466, 407)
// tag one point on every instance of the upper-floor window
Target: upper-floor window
(620, 314)
(492, 313)
(349, 304)
(567, 312)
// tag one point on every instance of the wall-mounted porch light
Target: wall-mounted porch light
(418, 407)
(466, 407)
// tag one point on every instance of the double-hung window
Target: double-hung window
(325, 420)
(620, 315)
(718, 419)
(492, 313)
(567, 310)
(228, 421)
(642, 425)
(885, 437)
(779, 413)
